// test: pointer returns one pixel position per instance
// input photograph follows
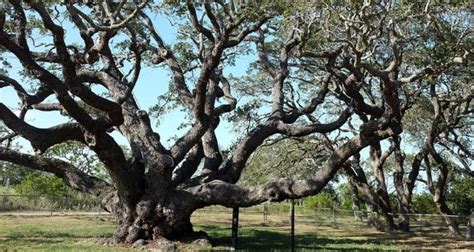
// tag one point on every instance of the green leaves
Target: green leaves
(323, 199)
(423, 203)
(80, 156)
(41, 184)
(461, 195)
(291, 158)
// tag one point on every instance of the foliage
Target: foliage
(52, 190)
(81, 156)
(423, 203)
(283, 158)
(11, 174)
(461, 195)
(344, 197)
(42, 184)
(323, 199)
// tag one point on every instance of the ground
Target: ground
(85, 232)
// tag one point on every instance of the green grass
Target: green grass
(85, 233)
(315, 232)
(55, 233)
(256, 239)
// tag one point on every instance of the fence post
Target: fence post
(422, 220)
(265, 212)
(235, 227)
(292, 220)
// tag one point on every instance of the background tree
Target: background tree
(423, 203)
(460, 195)
(81, 157)
(284, 157)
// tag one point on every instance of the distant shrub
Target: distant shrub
(461, 195)
(44, 185)
(43, 189)
(321, 200)
(423, 203)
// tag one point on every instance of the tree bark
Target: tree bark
(356, 203)
(156, 220)
(358, 179)
(377, 162)
(402, 199)
(438, 191)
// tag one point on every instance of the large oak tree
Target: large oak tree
(319, 68)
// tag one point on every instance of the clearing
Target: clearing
(84, 232)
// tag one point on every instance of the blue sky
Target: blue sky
(152, 83)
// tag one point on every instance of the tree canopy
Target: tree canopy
(342, 76)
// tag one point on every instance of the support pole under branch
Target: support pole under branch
(292, 219)
(235, 227)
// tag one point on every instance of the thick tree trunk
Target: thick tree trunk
(402, 199)
(156, 223)
(403, 217)
(438, 189)
(440, 202)
(356, 203)
(377, 161)
(446, 213)
(384, 204)
(357, 179)
(405, 191)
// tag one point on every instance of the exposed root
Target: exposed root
(146, 236)
(162, 243)
(197, 239)
(200, 239)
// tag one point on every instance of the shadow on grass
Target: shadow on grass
(44, 237)
(268, 240)
(49, 234)
(32, 241)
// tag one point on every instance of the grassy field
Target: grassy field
(84, 233)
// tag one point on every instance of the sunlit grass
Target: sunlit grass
(85, 233)
(57, 233)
